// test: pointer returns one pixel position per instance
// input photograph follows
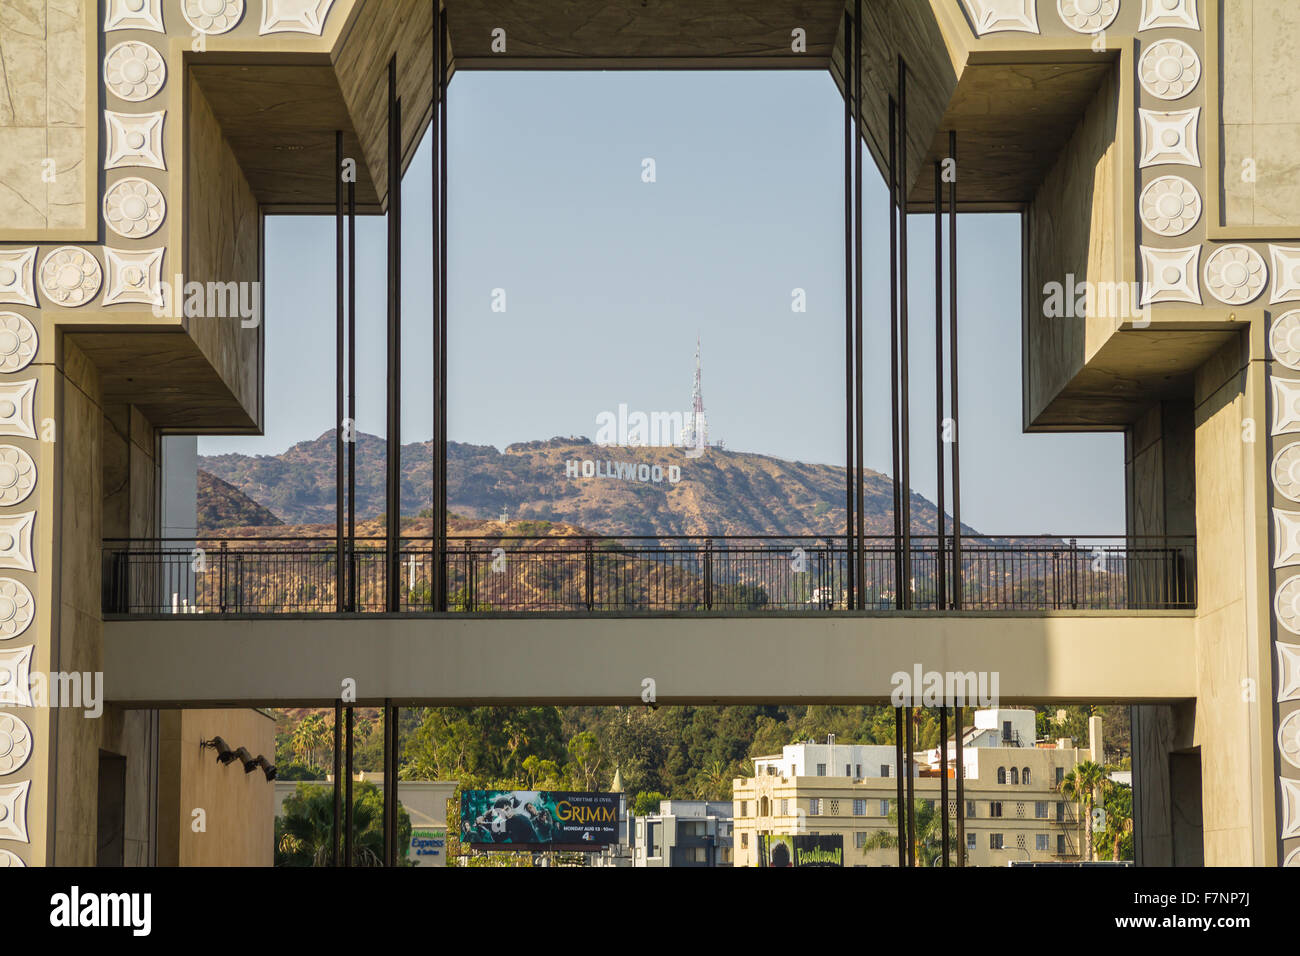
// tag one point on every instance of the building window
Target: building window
(886, 771)
(1060, 811)
(860, 839)
(695, 854)
(884, 808)
(1002, 774)
(995, 841)
(815, 807)
(1040, 842)
(821, 770)
(970, 841)
(744, 841)
(857, 775)
(1024, 776)
(1040, 809)
(764, 807)
(1060, 775)
(784, 804)
(995, 808)
(970, 809)
(1015, 775)
(744, 808)
(1006, 730)
(859, 808)
(724, 854)
(1060, 844)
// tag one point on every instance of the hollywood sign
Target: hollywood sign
(623, 470)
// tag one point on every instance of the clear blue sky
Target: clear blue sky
(608, 280)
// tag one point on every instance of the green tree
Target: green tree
(1083, 784)
(928, 841)
(713, 782)
(647, 803)
(305, 827)
(1115, 840)
(586, 757)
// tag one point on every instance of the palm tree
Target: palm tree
(713, 782)
(928, 845)
(1083, 784)
(303, 832)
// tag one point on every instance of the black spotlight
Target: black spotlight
(268, 768)
(247, 759)
(224, 754)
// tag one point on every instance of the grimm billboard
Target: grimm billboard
(803, 849)
(546, 819)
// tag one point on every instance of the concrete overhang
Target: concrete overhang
(279, 116)
(165, 374)
(192, 661)
(1015, 114)
(1137, 366)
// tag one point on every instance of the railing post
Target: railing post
(239, 583)
(222, 579)
(1074, 573)
(591, 570)
(471, 580)
(708, 574)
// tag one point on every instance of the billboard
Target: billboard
(539, 819)
(803, 849)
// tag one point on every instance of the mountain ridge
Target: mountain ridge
(719, 492)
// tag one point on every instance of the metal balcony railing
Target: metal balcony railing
(632, 575)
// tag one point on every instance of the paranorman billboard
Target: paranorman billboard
(549, 819)
(804, 849)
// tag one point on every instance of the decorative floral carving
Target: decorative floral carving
(308, 16)
(1290, 807)
(1169, 13)
(134, 208)
(134, 71)
(134, 15)
(1170, 206)
(13, 811)
(16, 679)
(1170, 137)
(17, 275)
(134, 139)
(1236, 274)
(17, 405)
(1087, 16)
(1288, 738)
(1288, 672)
(1286, 406)
(134, 276)
(1286, 474)
(1286, 273)
(17, 475)
(8, 858)
(1170, 275)
(71, 276)
(15, 743)
(213, 16)
(1284, 339)
(16, 541)
(18, 342)
(16, 608)
(1169, 69)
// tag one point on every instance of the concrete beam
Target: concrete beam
(195, 661)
